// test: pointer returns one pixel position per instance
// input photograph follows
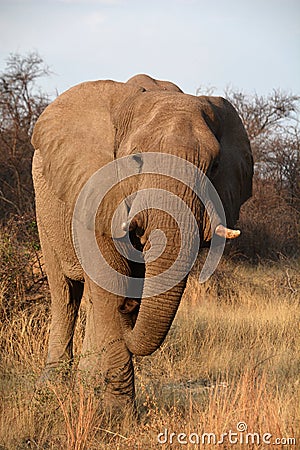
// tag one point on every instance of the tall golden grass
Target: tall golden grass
(231, 357)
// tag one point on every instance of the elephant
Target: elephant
(87, 128)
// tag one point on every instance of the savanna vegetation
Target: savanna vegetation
(232, 354)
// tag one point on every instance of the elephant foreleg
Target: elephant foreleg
(65, 301)
(105, 361)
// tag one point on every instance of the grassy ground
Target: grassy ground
(231, 360)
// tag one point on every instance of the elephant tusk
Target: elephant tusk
(125, 226)
(226, 233)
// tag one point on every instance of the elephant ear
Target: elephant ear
(232, 177)
(75, 136)
(150, 84)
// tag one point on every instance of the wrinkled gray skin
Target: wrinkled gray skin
(82, 130)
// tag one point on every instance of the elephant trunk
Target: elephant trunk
(153, 323)
(169, 255)
(156, 313)
(165, 275)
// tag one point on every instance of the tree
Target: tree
(273, 128)
(270, 220)
(21, 102)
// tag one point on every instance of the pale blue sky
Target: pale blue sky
(253, 45)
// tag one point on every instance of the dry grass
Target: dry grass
(231, 356)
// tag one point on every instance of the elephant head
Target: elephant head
(208, 133)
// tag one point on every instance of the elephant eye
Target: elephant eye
(137, 157)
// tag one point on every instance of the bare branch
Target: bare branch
(21, 102)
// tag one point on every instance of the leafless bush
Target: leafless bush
(21, 271)
(20, 105)
(272, 124)
(270, 220)
(269, 224)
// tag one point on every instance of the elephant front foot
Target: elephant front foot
(119, 409)
(114, 388)
(119, 394)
